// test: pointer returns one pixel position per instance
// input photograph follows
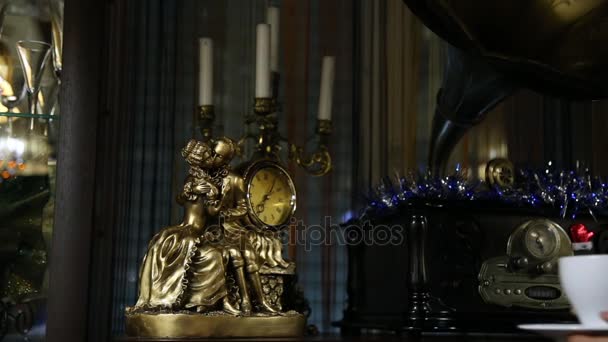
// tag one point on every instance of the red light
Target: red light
(579, 233)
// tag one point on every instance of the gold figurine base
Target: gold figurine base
(188, 325)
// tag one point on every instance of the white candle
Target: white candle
(327, 85)
(205, 71)
(272, 19)
(262, 61)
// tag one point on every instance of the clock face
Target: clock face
(271, 195)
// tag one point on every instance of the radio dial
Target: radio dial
(546, 267)
(541, 240)
(520, 262)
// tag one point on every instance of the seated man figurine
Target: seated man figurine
(233, 210)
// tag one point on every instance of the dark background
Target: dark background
(128, 103)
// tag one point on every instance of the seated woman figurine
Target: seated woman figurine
(181, 270)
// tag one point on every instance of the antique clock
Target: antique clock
(271, 194)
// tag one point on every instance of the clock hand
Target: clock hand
(260, 207)
(271, 187)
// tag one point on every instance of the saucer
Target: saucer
(562, 330)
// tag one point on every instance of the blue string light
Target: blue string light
(567, 193)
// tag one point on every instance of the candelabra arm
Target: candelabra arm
(318, 162)
(268, 140)
(240, 145)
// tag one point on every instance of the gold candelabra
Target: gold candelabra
(268, 140)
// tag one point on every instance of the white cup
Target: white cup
(584, 278)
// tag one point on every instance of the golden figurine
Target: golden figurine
(186, 280)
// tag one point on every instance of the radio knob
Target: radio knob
(521, 262)
(546, 267)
